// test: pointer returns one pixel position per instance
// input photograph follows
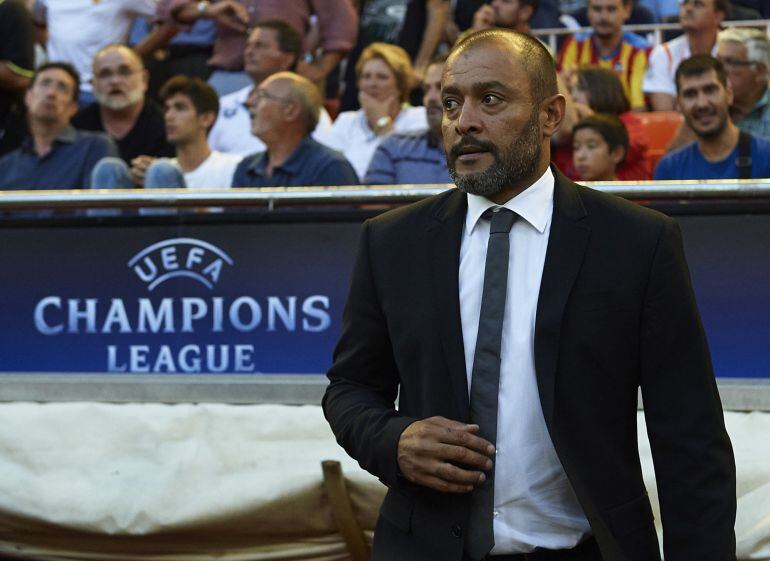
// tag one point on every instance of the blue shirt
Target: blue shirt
(67, 165)
(757, 121)
(689, 163)
(311, 164)
(409, 157)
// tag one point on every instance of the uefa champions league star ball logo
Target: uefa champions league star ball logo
(179, 257)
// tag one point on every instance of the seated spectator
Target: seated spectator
(598, 90)
(191, 107)
(510, 14)
(285, 110)
(16, 70)
(745, 54)
(415, 157)
(121, 109)
(273, 46)
(700, 20)
(384, 74)
(337, 23)
(77, 29)
(55, 155)
(608, 46)
(721, 151)
(599, 144)
(639, 15)
(417, 26)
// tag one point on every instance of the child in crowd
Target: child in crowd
(599, 144)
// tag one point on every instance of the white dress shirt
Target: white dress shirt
(535, 505)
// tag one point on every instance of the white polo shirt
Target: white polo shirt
(662, 65)
(77, 29)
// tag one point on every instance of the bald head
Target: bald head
(127, 53)
(531, 53)
(300, 91)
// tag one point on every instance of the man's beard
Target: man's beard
(132, 97)
(516, 163)
(709, 134)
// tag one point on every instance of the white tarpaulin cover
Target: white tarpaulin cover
(231, 482)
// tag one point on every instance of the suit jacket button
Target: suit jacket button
(456, 531)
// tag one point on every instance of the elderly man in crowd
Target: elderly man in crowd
(77, 29)
(120, 109)
(700, 20)
(273, 46)
(55, 155)
(721, 150)
(745, 54)
(284, 110)
(415, 157)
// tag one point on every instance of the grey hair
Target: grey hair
(755, 41)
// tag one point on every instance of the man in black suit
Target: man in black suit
(597, 303)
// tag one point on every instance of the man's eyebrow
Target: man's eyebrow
(477, 87)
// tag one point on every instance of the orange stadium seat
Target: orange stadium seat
(659, 127)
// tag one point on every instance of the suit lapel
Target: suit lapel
(564, 256)
(444, 236)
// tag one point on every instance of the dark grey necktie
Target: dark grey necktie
(485, 378)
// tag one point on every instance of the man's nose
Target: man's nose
(469, 120)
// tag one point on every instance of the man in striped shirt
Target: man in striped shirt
(607, 45)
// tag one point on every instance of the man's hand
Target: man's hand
(444, 455)
(139, 167)
(228, 13)
(484, 18)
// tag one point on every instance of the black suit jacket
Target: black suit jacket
(616, 312)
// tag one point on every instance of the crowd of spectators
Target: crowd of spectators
(257, 93)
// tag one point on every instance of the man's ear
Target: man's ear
(72, 108)
(552, 111)
(291, 112)
(207, 119)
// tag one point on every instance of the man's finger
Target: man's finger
(464, 456)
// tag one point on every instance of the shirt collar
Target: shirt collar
(534, 204)
(67, 135)
(293, 164)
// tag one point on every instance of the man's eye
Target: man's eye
(490, 99)
(450, 104)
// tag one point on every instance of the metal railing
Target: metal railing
(655, 29)
(272, 198)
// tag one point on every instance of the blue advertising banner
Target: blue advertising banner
(253, 298)
(268, 297)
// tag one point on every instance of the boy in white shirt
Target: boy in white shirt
(190, 110)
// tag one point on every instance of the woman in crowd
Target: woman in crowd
(384, 81)
(592, 89)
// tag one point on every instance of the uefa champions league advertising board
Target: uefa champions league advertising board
(242, 299)
(267, 298)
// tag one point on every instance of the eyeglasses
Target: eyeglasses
(260, 95)
(734, 62)
(122, 72)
